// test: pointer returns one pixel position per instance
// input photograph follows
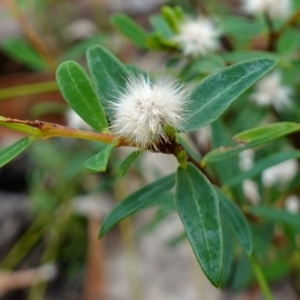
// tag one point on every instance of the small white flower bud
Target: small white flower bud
(197, 37)
(292, 204)
(270, 91)
(274, 8)
(144, 108)
(280, 174)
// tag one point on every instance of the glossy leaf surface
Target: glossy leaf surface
(236, 219)
(108, 73)
(130, 29)
(80, 94)
(128, 161)
(216, 92)
(198, 207)
(137, 201)
(10, 152)
(252, 138)
(98, 162)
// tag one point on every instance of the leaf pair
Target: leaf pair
(197, 203)
(79, 92)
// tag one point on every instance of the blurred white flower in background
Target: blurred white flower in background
(47, 272)
(197, 37)
(246, 162)
(274, 8)
(292, 204)
(203, 138)
(246, 159)
(80, 29)
(251, 191)
(75, 121)
(280, 174)
(144, 108)
(270, 92)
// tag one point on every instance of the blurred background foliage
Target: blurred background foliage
(52, 206)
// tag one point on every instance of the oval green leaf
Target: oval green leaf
(265, 134)
(160, 25)
(262, 165)
(129, 28)
(198, 207)
(251, 138)
(220, 154)
(24, 53)
(216, 92)
(108, 73)
(128, 161)
(98, 162)
(9, 153)
(137, 201)
(80, 94)
(237, 221)
(228, 245)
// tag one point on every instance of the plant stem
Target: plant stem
(265, 289)
(272, 33)
(48, 130)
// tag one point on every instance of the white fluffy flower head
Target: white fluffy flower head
(270, 91)
(144, 108)
(274, 8)
(197, 37)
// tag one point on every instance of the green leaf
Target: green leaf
(264, 134)
(128, 161)
(137, 201)
(276, 215)
(251, 138)
(216, 92)
(220, 154)
(262, 165)
(22, 52)
(108, 73)
(80, 94)
(242, 272)
(198, 207)
(130, 29)
(229, 168)
(237, 56)
(228, 245)
(98, 162)
(81, 47)
(9, 153)
(156, 41)
(288, 42)
(236, 219)
(136, 71)
(171, 16)
(160, 25)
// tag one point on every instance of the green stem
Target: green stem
(28, 89)
(265, 289)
